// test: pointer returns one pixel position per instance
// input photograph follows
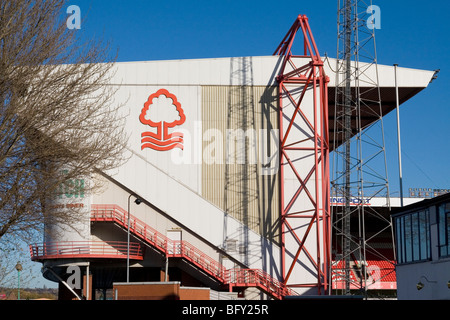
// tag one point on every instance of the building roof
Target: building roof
(421, 204)
(410, 82)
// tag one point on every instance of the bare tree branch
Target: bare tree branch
(56, 111)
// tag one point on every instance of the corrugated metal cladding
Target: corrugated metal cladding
(232, 175)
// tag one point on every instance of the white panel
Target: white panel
(169, 161)
(73, 197)
(192, 72)
(407, 77)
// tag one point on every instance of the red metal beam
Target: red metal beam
(309, 77)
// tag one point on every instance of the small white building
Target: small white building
(422, 237)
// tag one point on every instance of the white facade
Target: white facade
(422, 243)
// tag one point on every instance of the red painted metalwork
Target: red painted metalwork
(233, 278)
(85, 249)
(166, 246)
(257, 278)
(314, 186)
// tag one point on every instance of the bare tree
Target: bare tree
(57, 112)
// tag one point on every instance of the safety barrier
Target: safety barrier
(183, 249)
(85, 249)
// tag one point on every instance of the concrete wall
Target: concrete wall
(434, 275)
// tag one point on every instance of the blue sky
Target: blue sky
(412, 35)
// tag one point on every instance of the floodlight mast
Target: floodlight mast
(346, 107)
(359, 170)
(348, 135)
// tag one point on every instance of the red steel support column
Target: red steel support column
(314, 185)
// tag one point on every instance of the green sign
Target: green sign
(71, 188)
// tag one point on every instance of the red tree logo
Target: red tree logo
(162, 111)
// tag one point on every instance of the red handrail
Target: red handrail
(184, 249)
(260, 279)
(90, 249)
(169, 247)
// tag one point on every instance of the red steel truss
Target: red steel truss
(304, 167)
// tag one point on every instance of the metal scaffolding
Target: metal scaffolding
(359, 169)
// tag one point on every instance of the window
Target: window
(444, 229)
(413, 237)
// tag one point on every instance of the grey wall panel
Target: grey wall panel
(240, 132)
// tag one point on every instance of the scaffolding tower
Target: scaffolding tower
(359, 168)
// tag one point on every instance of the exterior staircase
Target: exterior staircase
(233, 278)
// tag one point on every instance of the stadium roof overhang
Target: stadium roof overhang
(409, 81)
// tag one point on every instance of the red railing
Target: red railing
(183, 249)
(258, 278)
(118, 215)
(170, 248)
(85, 249)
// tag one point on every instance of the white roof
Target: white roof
(259, 71)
